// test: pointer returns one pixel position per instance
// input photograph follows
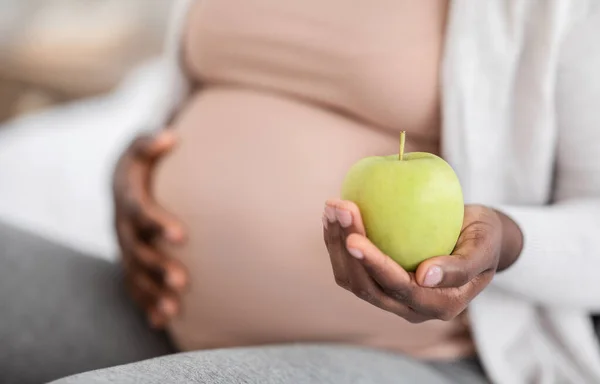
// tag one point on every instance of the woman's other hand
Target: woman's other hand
(153, 278)
(443, 286)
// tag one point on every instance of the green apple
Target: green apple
(411, 204)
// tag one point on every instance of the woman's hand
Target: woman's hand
(153, 279)
(442, 287)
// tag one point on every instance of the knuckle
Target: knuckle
(448, 314)
(479, 235)
(148, 230)
(381, 268)
(480, 238)
(116, 220)
(134, 293)
(366, 294)
(118, 187)
(117, 182)
(131, 203)
(134, 253)
(127, 263)
(375, 269)
(147, 284)
(139, 145)
(437, 313)
(342, 281)
(140, 283)
(462, 278)
(401, 295)
(119, 233)
(333, 232)
(414, 318)
(120, 167)
(144, 256)
(174, 276)
(139, 256)
(128, 244)
(125, 245)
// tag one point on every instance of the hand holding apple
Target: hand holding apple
(403, 229)
(489, 241)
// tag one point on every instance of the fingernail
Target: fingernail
(167, 306)
(324, 219)
(175, 279)
(167, 136)
(433, 276)
(174, 234)
(330, 213)
(357, 254)
(344, 217)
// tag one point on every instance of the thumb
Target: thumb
(467, 262)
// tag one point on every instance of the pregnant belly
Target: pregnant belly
(249, 180)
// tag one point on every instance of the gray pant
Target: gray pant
(62, 313)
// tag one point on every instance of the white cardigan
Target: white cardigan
(518, 145)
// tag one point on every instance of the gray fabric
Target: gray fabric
(63, 313)
(291, 364)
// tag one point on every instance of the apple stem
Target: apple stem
(402, 140)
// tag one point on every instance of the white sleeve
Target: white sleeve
(560, 262)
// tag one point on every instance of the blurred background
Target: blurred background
(75, 80)
(56, 51)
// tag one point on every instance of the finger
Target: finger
(139, 156)
(147, 289)
(344, 217)
(152, 296)
(152, 221)
(386, 272)
(472, 256)
(163, 268)
(335, 247)
(137, 205)
(364, 287)
(349, 221)
(156, 319)
(367, 289)
(141, 295)
(377, 279)
(348, 215)
(137, 250)
(176, 276)
(132, 188)
(337, 215)
(160, 314)
(357, 280)
(447, 303)
(151, 147)
(158, 309)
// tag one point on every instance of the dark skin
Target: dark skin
(441, 287)
(153, 279)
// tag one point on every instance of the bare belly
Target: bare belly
(249, 180)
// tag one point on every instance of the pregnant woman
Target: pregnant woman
(275, 101)
(291, 95)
